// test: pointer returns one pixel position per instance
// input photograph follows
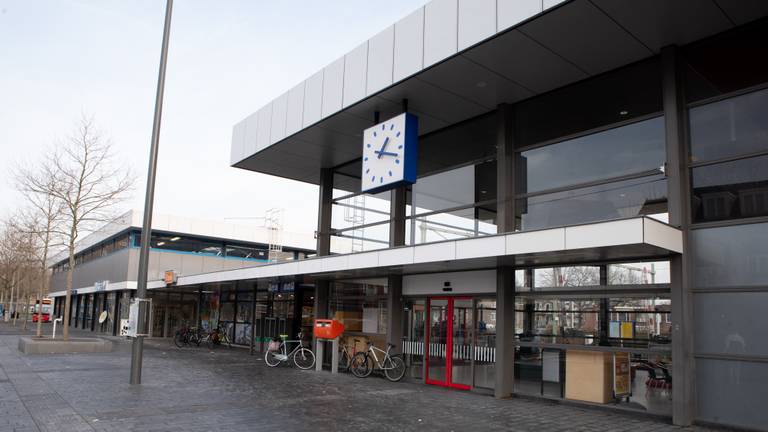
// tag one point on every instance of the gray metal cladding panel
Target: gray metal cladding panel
(113, 267)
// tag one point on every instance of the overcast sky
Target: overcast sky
(60, 58)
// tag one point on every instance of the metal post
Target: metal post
(138, 343)
(253, 317)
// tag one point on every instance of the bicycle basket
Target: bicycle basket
(273, 345)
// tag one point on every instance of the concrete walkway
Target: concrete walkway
(193, 389)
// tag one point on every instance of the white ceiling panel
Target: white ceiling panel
(539, 70)
(477, 21)
(744, 11)
(658, 23)
(409, 45)
(440, 30)
(355, 74)
(333, 87)
(511, 12)
(380, 57)
(590, 40)
(473, 82)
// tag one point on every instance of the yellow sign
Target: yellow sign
(627, 330)
(170, 277)
(622, 378)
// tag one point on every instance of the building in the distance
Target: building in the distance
(106, 269)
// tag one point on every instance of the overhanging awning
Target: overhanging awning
(620, 240)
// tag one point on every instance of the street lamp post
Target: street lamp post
(146, 227)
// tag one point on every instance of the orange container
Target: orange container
(328, 328)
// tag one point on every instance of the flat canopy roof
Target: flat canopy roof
(630, 239)
(454, 60)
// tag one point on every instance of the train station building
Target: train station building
(563, 200)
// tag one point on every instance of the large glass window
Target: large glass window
(731, 257)
(361, 306)
(732, 392)
(731, 190)
(626, 150)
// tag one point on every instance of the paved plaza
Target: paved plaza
(193, 389)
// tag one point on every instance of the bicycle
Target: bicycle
(216, 337)
(186, 336)
(364, 362)
(277, 352)
(345, 357)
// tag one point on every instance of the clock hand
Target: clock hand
(381, 153)
(383, 146)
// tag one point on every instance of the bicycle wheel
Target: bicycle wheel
(209, 342)
(178, 339)
(345, 362)
(226, 341)
(394, 368)
(361, 365)
(304, 358)
(270, 358)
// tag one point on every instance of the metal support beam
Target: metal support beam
(505, 170)
(395, 310)
(678, 198)
(324, 212)
(298, 306)
(253, 318)
(397, 217)
(505, 331)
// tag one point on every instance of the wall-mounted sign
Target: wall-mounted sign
(99, 286)
(170, 277)
(622, 380)
(390, 151)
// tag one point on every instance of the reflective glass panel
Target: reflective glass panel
(646, 195)
(730, 256)
(730, 190)
(629, 149)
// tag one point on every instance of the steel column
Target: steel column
(324, 212)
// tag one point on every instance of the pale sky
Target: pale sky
(60, 58)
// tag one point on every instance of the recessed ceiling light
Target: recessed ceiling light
(160, 243)
(175, 238)
(623, 112)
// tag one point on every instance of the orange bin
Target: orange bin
(328, 328)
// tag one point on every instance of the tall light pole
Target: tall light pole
(137, 351)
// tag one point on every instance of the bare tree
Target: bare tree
(16, 250)
(87, 183)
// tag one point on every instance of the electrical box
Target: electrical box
(328, 329)
(138, 322)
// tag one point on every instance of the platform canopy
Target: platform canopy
(454, 60)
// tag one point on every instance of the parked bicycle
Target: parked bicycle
(277, 352)
(217, 336)
(186, 336)
(364, 362)
(346, 354)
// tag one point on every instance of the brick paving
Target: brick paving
(193, 389)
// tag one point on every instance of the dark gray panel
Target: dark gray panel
(744, 11)
(582, 34)
(732, 392)
(733, 256)
(731, 323)
(658, 23)
(540, 70)
(427, 98)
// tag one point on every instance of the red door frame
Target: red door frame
(448, 344)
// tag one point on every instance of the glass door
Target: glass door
(449, 358)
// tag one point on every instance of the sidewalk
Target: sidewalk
(193, 389)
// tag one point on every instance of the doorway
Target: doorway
(450, 338)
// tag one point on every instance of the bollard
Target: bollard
(54, 326)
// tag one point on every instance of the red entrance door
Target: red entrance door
(449, 342)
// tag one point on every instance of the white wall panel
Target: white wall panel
(511, 12)
(440, 30)
(308, 266)
(263, 126)
(480, 247)
(659, 234)
(251, 127)
(380, 57)
(238, 143)
(409, 45)
(549, 3)
(313, 99)
(396, 256)
(483, 281)
(355, 74)
(333, 87)
(335, 263)
(536, 241)
(604, 234)
(279, 112)
(444, 251)
(477, 21)
(295, 110)
(363, 260)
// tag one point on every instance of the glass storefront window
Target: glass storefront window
(360, 305)
(730, 257)
(485, 343)
(414, 318)
(730, 190)
(625, 150)
(642, 196)
(458, 224)
(732, 127)
(573, 276)
(654, 272)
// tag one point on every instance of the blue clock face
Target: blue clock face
(388, 153)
